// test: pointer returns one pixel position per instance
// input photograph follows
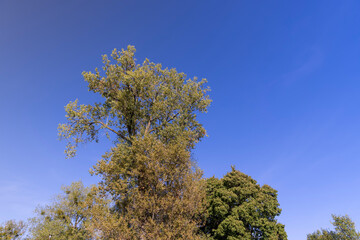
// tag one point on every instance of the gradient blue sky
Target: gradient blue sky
(285, 81)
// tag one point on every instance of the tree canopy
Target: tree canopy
(344, 230)
(65, 217)
(138, 100)
(239, 208)
(12, 230)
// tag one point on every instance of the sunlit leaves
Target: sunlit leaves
(12, 230)
(138, 100)
(65, 217)
(344, 230)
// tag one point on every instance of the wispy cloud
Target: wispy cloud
(312, 63)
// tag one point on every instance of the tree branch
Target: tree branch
(148, 126)
(114, 131)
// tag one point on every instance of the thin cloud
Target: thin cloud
(307, 67)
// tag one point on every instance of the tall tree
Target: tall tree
(12, 230)
(239, 208)
(152, 113)
(344, 230)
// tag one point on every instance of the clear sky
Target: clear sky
(285, 81)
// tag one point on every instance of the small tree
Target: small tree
(65, 217)
(12, 230)
(344, 230)
(239, 208)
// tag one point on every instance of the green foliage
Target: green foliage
(156, 191)
(344, 230)
(138, 100)
(238, 208)
(65, 217)
(12, 230)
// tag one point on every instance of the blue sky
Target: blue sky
(285, 87)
